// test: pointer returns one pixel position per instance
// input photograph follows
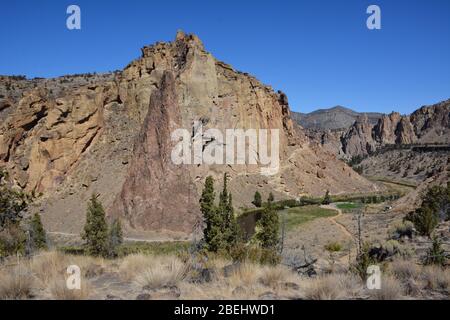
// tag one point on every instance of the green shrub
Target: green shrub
(363, 261)
(333, 247)
(12, 240)
(257, 201)
(401, 229)
(435, 254)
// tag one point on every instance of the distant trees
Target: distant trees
(326, 199)
(221, 230)
(257, 201)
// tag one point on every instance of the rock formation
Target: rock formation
(111, 134)
(427, 125)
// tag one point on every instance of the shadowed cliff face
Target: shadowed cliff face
(111, 134)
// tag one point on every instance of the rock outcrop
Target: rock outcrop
(110, 134)
(427, 125)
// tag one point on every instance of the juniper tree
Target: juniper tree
(231, 235)
(229, 224)
(12, 206)
(37, 233)
(435, 205)
(271, 198)
(268, 227)
(327, 199)
(425, 220)
(115, 237)
(257, 201)
(435, 254)
(95, 232)
(212, 233)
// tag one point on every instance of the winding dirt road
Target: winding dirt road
(352, 252)
(338, 224)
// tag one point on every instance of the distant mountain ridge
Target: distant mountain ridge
(338, 117)
(427, 125)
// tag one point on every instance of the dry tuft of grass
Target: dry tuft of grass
(59, 291)
(47, 265)
(168, 271)
(274, 276)
(404, 270)
(436, 278)
(333, 287)
(15, 284)
(246, 275)
(391, 289)
(135, 264)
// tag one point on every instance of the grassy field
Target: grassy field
(349, 206)
(299, 215)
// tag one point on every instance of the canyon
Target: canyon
(66, 138)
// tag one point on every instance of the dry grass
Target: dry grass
(59, 291)
(333, 287)
(273, 277)
(404, 270)
(45, 277)
(47, 265)
(15, 284)
(436, 278)
(135, 264)
(166, 271)
(391, 289)
(247, 275)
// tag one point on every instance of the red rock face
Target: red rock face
(157, 194)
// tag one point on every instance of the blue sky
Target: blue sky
(320, 53)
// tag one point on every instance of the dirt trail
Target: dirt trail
(352, 252)
(338, 224)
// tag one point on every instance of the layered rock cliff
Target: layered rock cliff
(110, 134)
(427, 125)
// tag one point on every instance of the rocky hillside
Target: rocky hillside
(427, 125)
(332, 119)
(111, 134)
